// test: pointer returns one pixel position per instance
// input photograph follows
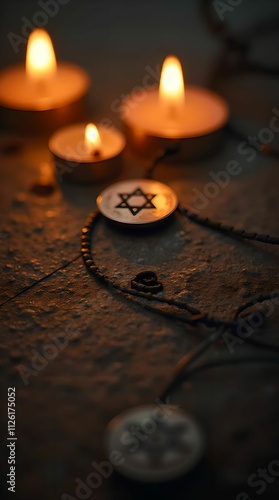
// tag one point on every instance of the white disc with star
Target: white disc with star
(137, 201)
(154, 443)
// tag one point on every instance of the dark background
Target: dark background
(120, 356)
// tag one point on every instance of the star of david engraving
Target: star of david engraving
(135, 208)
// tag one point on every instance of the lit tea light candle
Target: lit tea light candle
(44, 94)
(87, 153)
(195, 116)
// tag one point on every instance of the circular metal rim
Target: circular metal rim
(175, 472)
(136, 223)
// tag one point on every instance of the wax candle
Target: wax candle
(87, 153)
(44, 94)
(193, 116)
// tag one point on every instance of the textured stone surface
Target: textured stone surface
(117, 355)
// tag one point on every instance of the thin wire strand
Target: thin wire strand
(160, 156)
(187, 360)
(41, 280)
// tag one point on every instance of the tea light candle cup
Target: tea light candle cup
(43, 95)
(87, 153)
(195, 117)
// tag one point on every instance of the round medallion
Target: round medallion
(137, 201)
(154, 443)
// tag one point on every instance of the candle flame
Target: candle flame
(171, 90)
(92, 138)
(40, 56)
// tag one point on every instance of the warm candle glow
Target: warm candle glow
(171, 90)
(40, 56)
(92, 139)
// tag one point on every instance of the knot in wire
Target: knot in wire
(147, 282)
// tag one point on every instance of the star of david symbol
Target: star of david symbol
(134, 207)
